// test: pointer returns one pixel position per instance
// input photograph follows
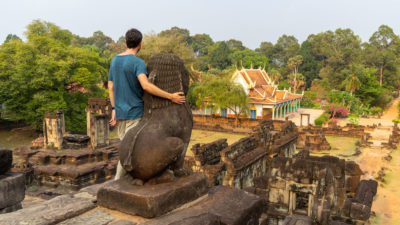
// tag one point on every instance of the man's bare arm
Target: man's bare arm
(111, 93)
(177, 97)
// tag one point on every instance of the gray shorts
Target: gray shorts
(124, 126)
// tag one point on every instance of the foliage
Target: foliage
(308, 100)
(354, 119)
(248, 59)
(220, 55)
(321, 119)
(219, 92)
(337, 111)
(47, 73)
(283, 85)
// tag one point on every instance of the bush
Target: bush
(353, 119)
(338, 111)
(321, 119)
(375, 110)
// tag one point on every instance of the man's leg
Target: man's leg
(123, 127)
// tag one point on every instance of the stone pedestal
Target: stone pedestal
(98, 116)
(12, 191)
(151, 200)
(53, 129)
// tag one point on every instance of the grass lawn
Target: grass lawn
(17, 137)
(343, 147)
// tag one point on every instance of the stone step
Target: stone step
(12, 190)
(223, 205)
(74, 176)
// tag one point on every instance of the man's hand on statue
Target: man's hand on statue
(178, 97)
(113, 121)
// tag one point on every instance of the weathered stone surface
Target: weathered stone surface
(232, 206)
(187, 217)
(360, 211)
(366, 192)
(151, 200)
(12, 189)
(122, 222)
(11, 208)
(163, 134)
(98, 217)
(93, 189)
(297, 220)
(5, 160)
(53, 211)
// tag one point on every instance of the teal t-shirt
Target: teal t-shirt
(128, 93)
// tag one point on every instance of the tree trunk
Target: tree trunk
(381, 75)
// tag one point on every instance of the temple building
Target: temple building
(266, 101)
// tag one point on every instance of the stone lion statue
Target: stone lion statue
(160, 140)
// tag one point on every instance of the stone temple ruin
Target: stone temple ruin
(295, 187)
(259, 180)
(72, 161)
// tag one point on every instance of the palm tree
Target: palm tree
(352, 83)
(294, 64)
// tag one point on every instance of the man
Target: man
(126, 82)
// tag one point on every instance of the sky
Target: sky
(251, 21)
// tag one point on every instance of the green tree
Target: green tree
(235, 45)
(219, 56)
(380, 52)
(294, 64)
(201, 43)
(249, 59)
(275, 75)
(311, 65)
(220, 92)
(47, 73)
(12, 37)
(352, 83)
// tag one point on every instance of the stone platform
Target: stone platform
(70, 168)
(151, 200)
(12, 185)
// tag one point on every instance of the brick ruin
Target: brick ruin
(296, 187)
(313, 137)
(73, 161)
(236, 165)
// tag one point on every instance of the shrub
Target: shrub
(321, 119)
(338, 111)
(353, 119)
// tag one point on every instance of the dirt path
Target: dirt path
(392, 112)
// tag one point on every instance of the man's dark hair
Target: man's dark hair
(133, 38)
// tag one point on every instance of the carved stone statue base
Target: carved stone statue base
(151, 200)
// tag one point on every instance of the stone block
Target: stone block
(98, 217)
(11, 208)
(5, 160)
(187, 216)
(366, 192)
(233, 206)
(152, 200)
(49, 212)
(12, 189)
(360, 211)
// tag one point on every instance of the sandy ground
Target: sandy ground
(314, 114)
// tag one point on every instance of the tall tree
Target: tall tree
(47, 73)
(352, 83)
(380, 52)
(12, 37)
(235, 45)
(294, 64)
(219, 56)
(249, 59)
(201, 43)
